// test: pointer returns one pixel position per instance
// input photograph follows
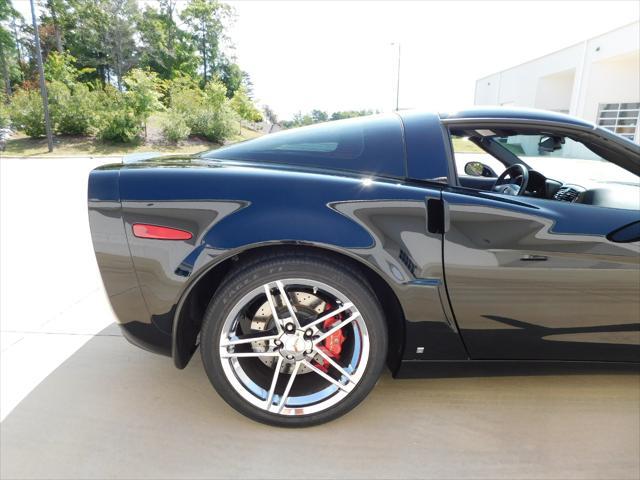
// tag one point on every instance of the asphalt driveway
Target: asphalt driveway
(79, 402)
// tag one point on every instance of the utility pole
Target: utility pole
(43, 85)
(397, 81)
(398, 78)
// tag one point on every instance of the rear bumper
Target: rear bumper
(147, 337)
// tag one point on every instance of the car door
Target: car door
(535, 278)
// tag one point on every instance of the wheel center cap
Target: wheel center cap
(294, 344)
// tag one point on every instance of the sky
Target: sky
(338, 55)
(335, 55)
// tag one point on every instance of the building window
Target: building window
(621, 118)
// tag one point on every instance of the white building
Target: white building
(597, 80)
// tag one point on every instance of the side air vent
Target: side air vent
(407, 262)
(566, 194)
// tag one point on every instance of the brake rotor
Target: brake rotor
(307, 306)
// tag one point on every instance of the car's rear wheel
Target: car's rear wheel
(294, 341)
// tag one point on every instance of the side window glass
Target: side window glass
(465, 152)
(561, 168)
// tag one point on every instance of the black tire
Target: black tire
(315, 267)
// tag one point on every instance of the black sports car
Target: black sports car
(301, 262)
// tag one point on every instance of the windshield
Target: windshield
(564, 159)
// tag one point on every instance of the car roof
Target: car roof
(515, 114)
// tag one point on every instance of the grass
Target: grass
(71, 146)
(460, 145)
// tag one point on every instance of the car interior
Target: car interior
(543, 164)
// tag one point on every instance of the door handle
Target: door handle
(436, 216)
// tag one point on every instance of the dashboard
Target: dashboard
(603, 194)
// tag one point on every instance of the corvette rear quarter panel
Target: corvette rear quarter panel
(229, 209)
(115, 262)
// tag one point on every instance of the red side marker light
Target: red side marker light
(143, 230)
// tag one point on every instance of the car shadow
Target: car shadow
(113, 410)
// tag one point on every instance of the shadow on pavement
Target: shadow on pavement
(113, 410)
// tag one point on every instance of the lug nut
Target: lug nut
(289, 357)
(277, 343)
(289, 327)
(308, 352)
(308, 333)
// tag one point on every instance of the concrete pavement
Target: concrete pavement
(79, 402)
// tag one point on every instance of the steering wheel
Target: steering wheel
(518, 180)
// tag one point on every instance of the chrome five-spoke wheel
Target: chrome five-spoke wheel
(292, 348)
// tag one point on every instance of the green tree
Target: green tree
(100, 34)
(85, 24)
(350, 114)
(319, 116)
(232, 76)
(21, 43)
(299, 120)
(122, 50)
(165, 48)
(51, 14)
(143, 94)
(7, 45)
(62, 67)
(206, 20)
(215, 94)
(245, 108)
(302, 120)
(247, 83)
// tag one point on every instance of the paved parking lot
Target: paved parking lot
(79, 402)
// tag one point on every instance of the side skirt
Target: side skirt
(493, 368)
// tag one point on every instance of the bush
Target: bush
(71, 103)
(119, 125)
(61, 67)
(27, 113)
(214, 125)
(117, 121)
(244, 107)
(174, 127)
(72, 108)
(185, 98)
(207, 113)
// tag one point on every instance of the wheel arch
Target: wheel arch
(190, 310)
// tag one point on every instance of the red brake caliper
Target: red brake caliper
(333, 343)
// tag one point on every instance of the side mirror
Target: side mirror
(478, 169)
(550, 144)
